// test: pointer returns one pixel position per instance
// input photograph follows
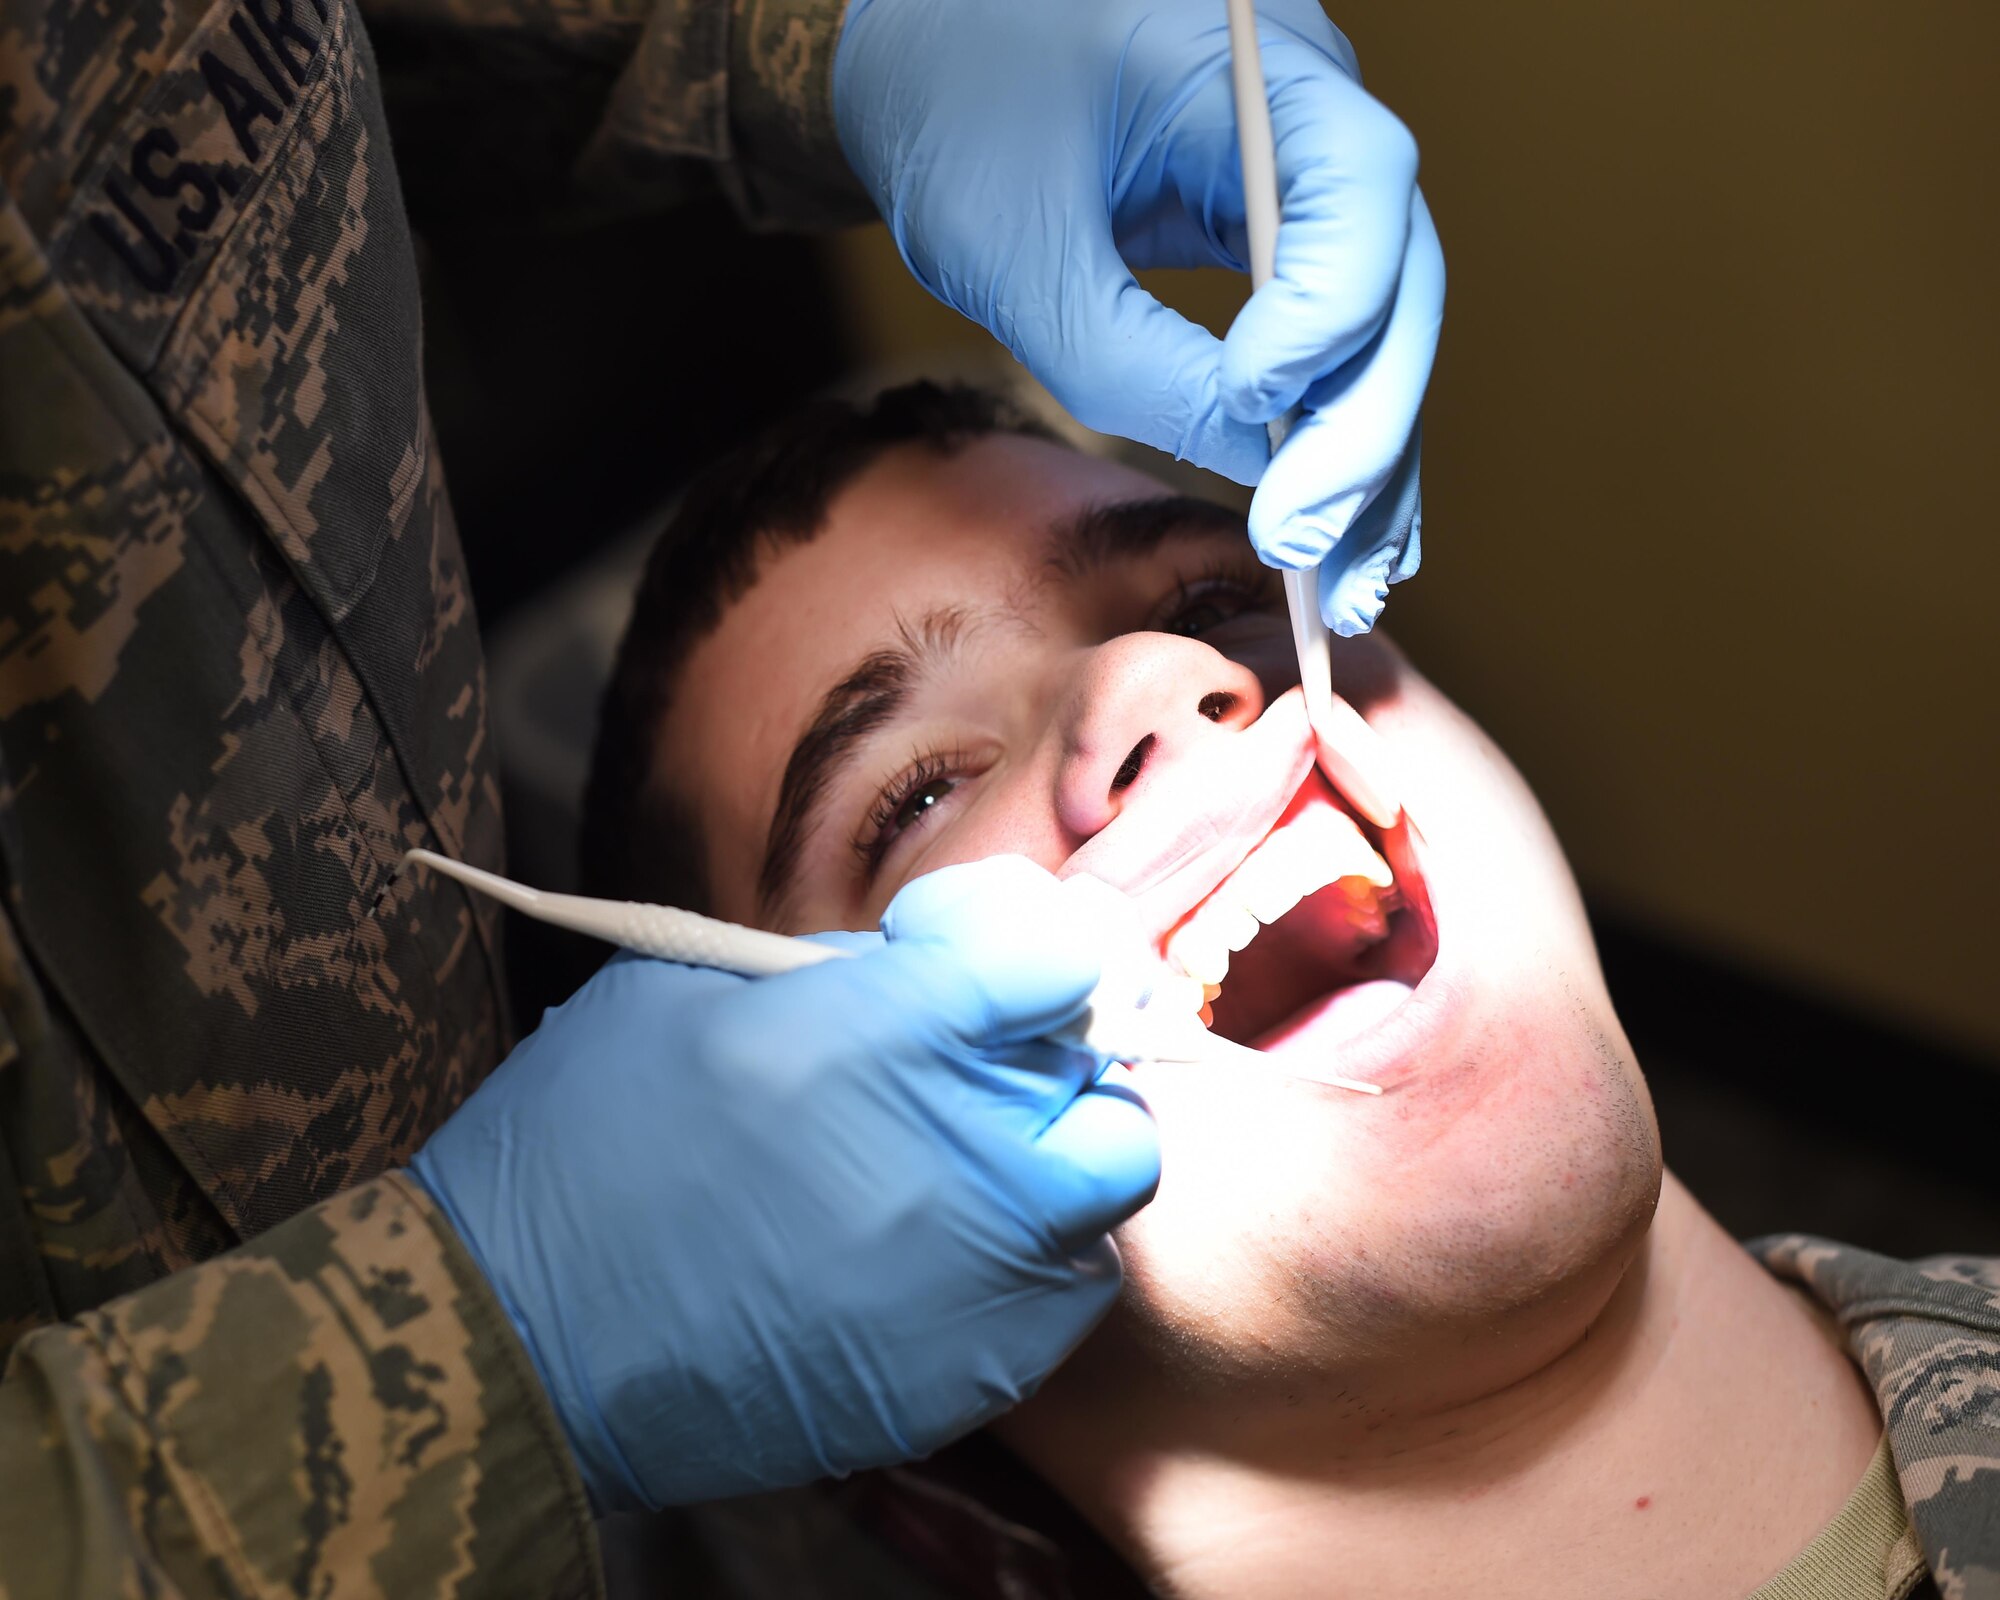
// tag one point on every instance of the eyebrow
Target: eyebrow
(877, 688)
(1124, 530)
(870, 695)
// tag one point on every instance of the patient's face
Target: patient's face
(1117, 695)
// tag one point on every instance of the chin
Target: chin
(1406, 1249)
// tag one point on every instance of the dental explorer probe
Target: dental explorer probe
(1118, 1023)
(1337, 726)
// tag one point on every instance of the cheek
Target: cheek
(1523, 1166)
(1255, 1230)
(1010, 815)
(1294, 1229)
(1242, 1166)
(1274, 661)
(1369, 670)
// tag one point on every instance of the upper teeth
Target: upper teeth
(1320, 846)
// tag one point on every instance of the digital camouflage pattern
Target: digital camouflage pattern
(239, 675)
(1928, 1335)
(312, 1414)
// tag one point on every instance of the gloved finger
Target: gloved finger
(1384, 546)
(1097, 1163)
(1354, 435)
(1015, 966)
(1027, 1085)
(934, 906)
(1118, 360)
(1347, 173)
(859, 943)
(1063, 1319)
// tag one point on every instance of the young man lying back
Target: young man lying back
(1468, 1336)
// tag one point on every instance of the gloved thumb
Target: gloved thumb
(1383, 546)
(1354, 448)
(1100, 1162)
(1014, 966)
(859, 944)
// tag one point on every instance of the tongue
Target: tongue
(1331, 1021)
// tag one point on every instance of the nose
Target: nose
(1141, 704)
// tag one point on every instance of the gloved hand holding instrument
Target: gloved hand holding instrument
(726, 1221)
(1027, 154)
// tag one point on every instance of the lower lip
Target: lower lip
(1334, 1020)
(1378, 1033)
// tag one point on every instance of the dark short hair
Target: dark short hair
(641, 840)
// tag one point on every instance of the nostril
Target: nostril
(1128, 770)
(1216, 706)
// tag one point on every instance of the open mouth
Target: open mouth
(1323, 929)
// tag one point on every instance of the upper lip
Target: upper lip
(1167, 873)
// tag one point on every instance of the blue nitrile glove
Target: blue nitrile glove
(757, 1232)
(1027, 153)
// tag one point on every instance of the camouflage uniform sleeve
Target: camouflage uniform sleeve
(336, 1409)
(1927, 1333)
(502, 107)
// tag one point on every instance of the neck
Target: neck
(1695, 1437)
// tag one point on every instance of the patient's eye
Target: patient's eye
(917, 805)
(909, 802)
(1200, 605)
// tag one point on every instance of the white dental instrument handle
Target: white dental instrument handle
(1257, 148)
(694, 940)
(1336, 723)
(663, 931)
(698, 941)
